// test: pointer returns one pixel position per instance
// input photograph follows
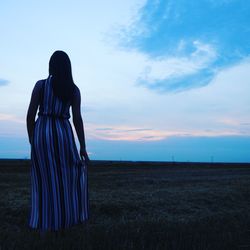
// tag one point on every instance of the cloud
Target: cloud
(137, 129)
(11, 118)
(178, 83)
(3, 82)
(187, 42)
(130, 133)
(104, 129)
(12, 126)
(180, 73)
(124, 133)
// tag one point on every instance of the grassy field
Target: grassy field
(139, 206)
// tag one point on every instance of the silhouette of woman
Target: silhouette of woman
(59, 191)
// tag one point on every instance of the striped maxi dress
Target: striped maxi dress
(59, 187)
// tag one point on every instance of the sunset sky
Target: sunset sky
(160, 80)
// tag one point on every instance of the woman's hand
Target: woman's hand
(84, 153)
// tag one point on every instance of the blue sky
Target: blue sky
(159, 79)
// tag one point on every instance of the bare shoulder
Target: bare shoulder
(39, 84)
(77, 91)
(77, 94)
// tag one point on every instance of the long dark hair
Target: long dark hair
(62, 80)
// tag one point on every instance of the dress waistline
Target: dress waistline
(54, 116)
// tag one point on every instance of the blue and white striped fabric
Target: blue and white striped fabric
(59, 185)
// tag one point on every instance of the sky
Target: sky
(159, 80)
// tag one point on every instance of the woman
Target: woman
(59, 193)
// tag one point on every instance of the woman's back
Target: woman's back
(51, 105)
(59, 188)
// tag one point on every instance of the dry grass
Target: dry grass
(140, 206)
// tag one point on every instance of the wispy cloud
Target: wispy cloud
(103, 129)
(245, 124)
(174, 74)
(125, 133)
(3, 82)
(187, 42)
(177, 83)
(11, 118)
(12, 126)
(129, 133)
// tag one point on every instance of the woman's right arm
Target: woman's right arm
(32, 110)
(78, 123)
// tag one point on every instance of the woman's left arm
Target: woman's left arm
(32, 110)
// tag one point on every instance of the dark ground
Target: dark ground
(139, 206)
